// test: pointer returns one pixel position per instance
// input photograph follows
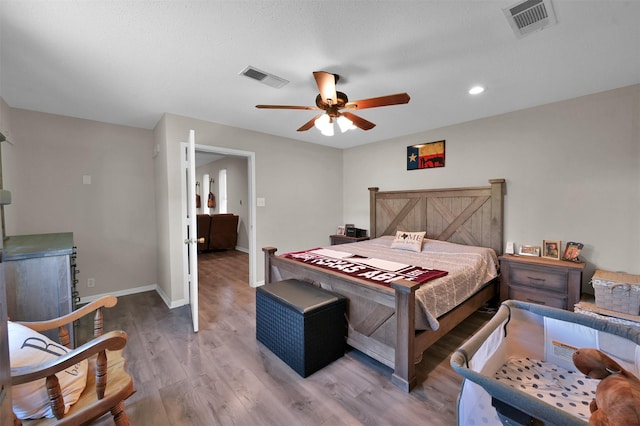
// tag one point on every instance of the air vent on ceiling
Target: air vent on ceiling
(529, 16)
(264, 77)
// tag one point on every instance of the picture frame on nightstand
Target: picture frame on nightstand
(551, 249)
(572, 251)
(510, 248)
(527, 250)
(340, 230)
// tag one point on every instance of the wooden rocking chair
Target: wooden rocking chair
(108, 384)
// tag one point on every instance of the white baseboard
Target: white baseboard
(128, 291)
(152, 287)
(167, 300)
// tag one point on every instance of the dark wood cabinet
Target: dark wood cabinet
(550, 282)
(40, 277)
(343, 239)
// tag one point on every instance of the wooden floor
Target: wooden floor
(223, 376)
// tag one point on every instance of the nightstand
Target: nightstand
(550, 282)
(343, 239)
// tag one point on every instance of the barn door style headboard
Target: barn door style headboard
(470, 216)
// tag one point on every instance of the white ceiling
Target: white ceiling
(203, 158)
(128, 62)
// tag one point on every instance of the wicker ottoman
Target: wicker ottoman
(302, 324)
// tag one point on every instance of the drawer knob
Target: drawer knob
(536, 279)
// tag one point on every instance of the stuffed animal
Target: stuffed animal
(617, 400)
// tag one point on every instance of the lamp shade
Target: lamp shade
(324, 124)
(344, 123)
(322, 121)
(327, 130)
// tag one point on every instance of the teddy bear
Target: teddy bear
(617, 400)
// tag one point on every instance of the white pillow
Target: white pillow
(408, 241)
(28, 347)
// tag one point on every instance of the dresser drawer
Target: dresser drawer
(539, 297)
(540, 278)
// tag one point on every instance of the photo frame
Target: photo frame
(551, 249)
(572, 251)
(510, 248)
(425, 155)
(340, 230)
(527, 250)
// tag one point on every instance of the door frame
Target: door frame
(251, 171)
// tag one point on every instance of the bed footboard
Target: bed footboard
(381, 320)
(404, 374)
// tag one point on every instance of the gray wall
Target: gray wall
(112, 219)
(572, 171)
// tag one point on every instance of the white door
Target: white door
(191, 240)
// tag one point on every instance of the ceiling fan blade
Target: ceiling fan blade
(309, 124)
(327, 86)
(287, 107)
(359, 121)
(398, 98)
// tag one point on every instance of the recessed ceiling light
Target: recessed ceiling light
(476, 90)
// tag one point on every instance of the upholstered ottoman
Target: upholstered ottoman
(302, 324)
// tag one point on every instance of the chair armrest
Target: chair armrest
(105, 301)
(113, 341)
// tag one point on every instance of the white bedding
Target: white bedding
(468, 267)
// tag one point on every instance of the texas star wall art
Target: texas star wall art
(425, 156)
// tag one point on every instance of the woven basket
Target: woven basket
(617, 292)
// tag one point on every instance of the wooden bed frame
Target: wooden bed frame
(381, 320)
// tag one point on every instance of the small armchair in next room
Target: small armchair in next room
(223, 233)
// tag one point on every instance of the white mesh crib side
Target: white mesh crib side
(474, 403)
(520, 330)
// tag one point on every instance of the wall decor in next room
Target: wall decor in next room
(425, 155)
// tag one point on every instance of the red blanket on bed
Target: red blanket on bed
(365, 268)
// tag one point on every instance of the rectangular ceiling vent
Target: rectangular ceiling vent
(264, 77)
(529, 16)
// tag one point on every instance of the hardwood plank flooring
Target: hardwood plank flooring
(223, 376)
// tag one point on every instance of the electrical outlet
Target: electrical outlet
(91, 282)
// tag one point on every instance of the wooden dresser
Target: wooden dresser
(550, 282)
(40, 277)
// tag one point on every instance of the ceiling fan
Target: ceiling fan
(334, 103)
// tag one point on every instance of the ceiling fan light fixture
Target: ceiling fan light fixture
(332, 102)
(324, 123)
(344, 123)
(328, 131)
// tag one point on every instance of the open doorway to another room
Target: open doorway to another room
(225, 185)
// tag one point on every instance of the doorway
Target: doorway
(211, 153)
